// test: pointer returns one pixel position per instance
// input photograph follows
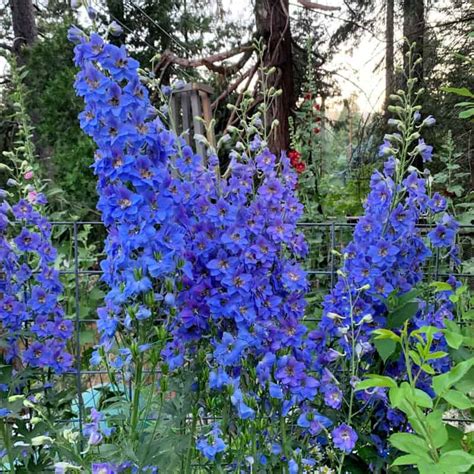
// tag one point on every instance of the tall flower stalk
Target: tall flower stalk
(140, 206)
(382, 268)
(34, 330)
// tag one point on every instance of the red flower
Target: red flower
(294, 155)
(300, 167)
(316, 130)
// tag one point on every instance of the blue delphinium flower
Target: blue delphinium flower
(104, 468)
(30, 289)
(96, 429)
(344, 438)
(139, 207)
(385, 258)
(247, 286)
(212, 444)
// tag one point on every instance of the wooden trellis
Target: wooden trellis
(191, 113)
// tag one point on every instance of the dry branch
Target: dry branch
(317, 6)
(209, 61)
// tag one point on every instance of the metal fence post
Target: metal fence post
(80, 401)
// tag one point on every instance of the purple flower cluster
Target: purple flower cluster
(212, 444)
(96, 429)
(247, 288)
(32, 319)
(122, 468)
(385, 258)
(138, 195)
(386, 255)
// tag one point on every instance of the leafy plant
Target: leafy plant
(431, 444)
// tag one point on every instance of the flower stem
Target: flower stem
(8, 446)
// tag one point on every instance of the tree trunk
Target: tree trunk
(273, 25)
(414, 32)
(24, 26)
(389, 52)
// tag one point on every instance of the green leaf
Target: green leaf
(466, 384)
(437, 428)
(453, 339)
(386, 334)
(396, 395)
(464, 104)
(414, 357)
(457, 461)
(407, 297)
(462, 91)
(437, 355)
(469, 314)
(458, 399)
(385, 348)
(409, 443)
(441, 286)
(400, 315)
(428, 369)
(406, 460)
(466, 113)
(376, 381)
(422, 399)
(452, 326)
(455, 439)
(442, 383)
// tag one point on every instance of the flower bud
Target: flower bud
(92, 12)
(15, 398)
(429, 121)
(115, 29)
(65, 466)
(28, 404)
(40, 440)
(170, 299)
(70, 436)
(367, 319)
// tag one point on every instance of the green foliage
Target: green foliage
(434, 446)
(65, 153)
(467, 108)
(453, 181)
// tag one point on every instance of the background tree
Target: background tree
(24, 26)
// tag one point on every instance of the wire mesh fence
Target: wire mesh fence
(80, 272)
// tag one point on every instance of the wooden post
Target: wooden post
(191, 114)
